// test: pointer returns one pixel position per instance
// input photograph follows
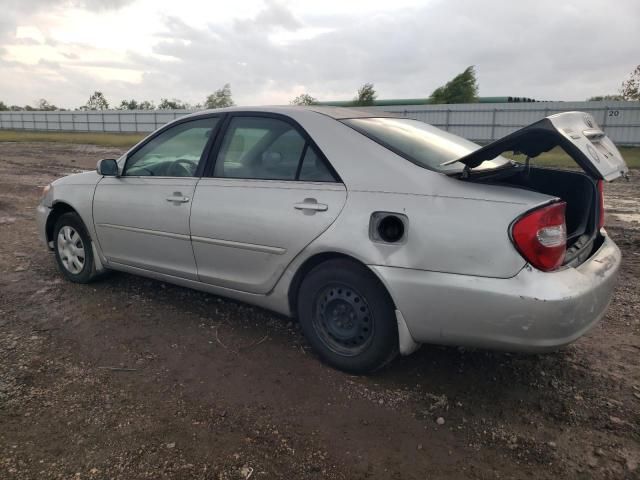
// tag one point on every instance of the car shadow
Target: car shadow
(497, 386)
(473, 381)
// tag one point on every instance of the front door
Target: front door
(142, 217)
(270, 195)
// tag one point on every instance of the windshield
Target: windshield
(420, 143)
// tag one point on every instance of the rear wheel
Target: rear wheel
(72, 246)
(348, 317)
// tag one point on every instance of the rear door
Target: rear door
(142, 216)
(576, 132)
(269, 194)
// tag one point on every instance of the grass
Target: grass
(91, 138)
(554, 158)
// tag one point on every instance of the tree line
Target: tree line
(97, 101)
(463, 88)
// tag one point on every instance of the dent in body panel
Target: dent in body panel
(533, 311)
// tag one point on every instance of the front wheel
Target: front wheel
(72, 246)
(348, 317)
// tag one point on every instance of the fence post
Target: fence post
(493, 124)
(604, 120)
(446, 119)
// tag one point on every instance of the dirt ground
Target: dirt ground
(131, 378)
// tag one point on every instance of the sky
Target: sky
(273, 50)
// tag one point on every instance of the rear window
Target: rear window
(419, 142)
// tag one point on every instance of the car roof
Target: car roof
(337, 113)
(341, 113)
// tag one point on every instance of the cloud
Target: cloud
(34, 5)
(542, 50)
(70, 55)
(101, 4)
(15, 12)
(547, 50)
(276, 15)
(48, 65)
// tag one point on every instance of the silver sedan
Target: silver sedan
(379, 233)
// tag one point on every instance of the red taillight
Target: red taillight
(600, 204)
(541, 236)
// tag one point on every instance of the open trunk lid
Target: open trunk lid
(576, 132)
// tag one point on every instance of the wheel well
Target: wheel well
(309, 265)
(58, 210)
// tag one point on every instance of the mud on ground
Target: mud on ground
(130, 378)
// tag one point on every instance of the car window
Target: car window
(314, 169)
(260, 148)
(175, 152)
(419, 142)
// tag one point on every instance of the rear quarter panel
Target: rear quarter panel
(445, 234)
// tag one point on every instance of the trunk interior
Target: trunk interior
(580, 193)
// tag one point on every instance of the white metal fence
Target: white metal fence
(481, 122)
(486, 122)
(125, 121)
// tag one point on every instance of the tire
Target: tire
(73, 249)
(348, 317)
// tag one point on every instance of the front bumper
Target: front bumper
(532, 311)
(42, 214)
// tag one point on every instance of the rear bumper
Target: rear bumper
(532, 311)
(42, 214)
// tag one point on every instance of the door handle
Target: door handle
(312, 205)
(177, 197)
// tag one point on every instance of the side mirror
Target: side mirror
(107, 167)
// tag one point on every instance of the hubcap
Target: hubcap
(71, 249)
(343, 320)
